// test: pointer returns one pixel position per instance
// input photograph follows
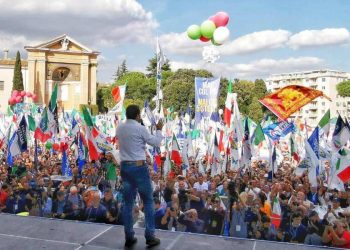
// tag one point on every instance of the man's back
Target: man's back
(132, 138)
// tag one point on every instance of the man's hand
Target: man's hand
(160, 124)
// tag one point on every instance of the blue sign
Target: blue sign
(206, 97)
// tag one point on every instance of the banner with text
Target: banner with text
(206, 96)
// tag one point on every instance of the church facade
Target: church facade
(65, 62)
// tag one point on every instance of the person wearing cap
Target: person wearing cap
(132, 139)
(314, 229)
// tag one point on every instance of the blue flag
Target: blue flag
(13, 149)
(273, 164)
(81, 155)
(315, 146)
(64, 163)
(314, 142)
(277, 130)
(22, 134)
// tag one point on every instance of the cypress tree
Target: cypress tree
(17, 74)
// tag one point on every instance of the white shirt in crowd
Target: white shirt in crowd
(201, 187)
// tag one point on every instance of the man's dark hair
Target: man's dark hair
(156, 201)
(132, 111)
(296, 215)
(4, 186)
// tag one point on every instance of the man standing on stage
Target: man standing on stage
(132, 138)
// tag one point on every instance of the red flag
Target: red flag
(116, 94)
(344, 175)
(175, 152)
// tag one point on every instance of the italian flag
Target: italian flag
(91, 134)
(324, 123)
(343, 167)
(276, 212)
(43, 133)
(228, 105)
(293, 151)
(175, 152)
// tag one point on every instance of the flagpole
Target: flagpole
(35, 153)
(158, 77)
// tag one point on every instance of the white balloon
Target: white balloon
(221, 35)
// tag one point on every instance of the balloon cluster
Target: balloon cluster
(18, 97)
(213, 29)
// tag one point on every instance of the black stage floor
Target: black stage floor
(39, 233)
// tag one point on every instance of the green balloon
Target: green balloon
(207, 29)
(48, 145)
(194, 32)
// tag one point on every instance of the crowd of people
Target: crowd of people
(235, 203)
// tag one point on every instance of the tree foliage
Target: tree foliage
(178, 89)
(343, 88)
(17, 74)
(260, 88)
(152, 66)
(121, 70)
(255, 111)
(245, 94)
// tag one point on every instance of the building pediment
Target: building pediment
(64, 44)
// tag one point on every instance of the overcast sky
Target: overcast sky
(267, 36)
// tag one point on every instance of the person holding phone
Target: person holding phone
(337, 235)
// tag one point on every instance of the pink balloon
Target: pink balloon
(220, 19)
(35, 97)
(18, 99)
(29, 94)
(15, 92)
(204, 39)
(23, 93)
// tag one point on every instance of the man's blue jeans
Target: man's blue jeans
(136, 179)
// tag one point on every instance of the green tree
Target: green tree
(152, 66)
(179, 89)
(260, 88)
(255, 110)
(121, 70)
(100, 100)
(245, 94)
(139, 89)
(17, 74)
(343, 88)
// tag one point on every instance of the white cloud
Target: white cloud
(179, 43)
(255, 69)
(266, 39)
(93, 22)
(175, 43)
(309, 38)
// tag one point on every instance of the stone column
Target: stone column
(41, 80)
(84, 82)
(93, 83)
(31, 76)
